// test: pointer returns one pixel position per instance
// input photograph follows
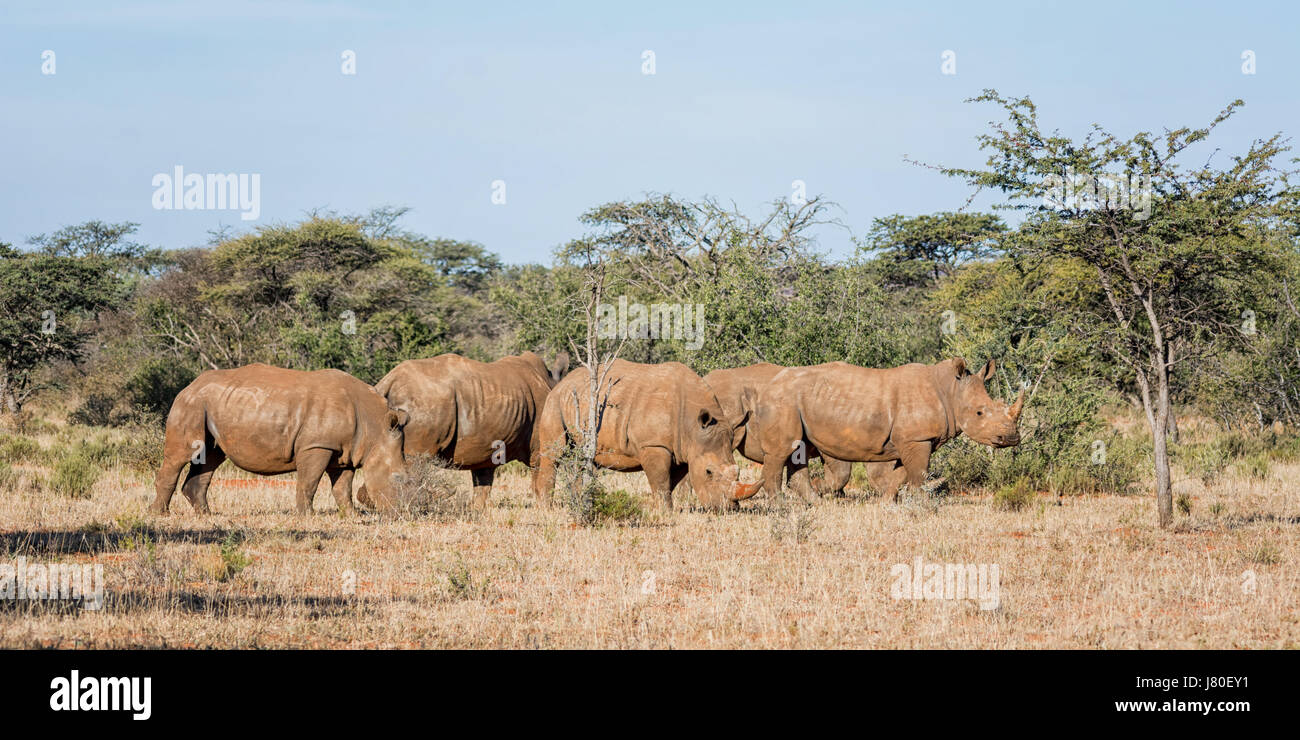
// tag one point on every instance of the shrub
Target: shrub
(233, 560)
(95, 411)
(74, 476)
(99, 450)
(8, 476)
(427, 488)
(155, 385)
(1284, 448)
(1262, 553)
(1014, 497)
(1206, 461)
(617, 506)
(17, 449)
(1065, 448)
(142, 449)
(462, 585)
(1255, 466)
(798, 524)
(584, 503)
(858, 478)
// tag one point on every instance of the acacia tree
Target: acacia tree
(47, 306)
(939, 241)
(1170, 247)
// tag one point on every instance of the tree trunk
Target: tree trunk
(1173, 426)
(1156, 406)
(9, 394)
(1159, 436)
(1160, 444)
(588, 475)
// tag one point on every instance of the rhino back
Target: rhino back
(459, 407)
(656, 406)
(851, 412)
(262, 416)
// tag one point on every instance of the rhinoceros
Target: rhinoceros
(271, 420)
(737, 391)
(897, 417)
(662, 419)
(472, 415)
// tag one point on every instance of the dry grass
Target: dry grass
(1094, 572)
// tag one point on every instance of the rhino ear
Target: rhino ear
(397, 419)
(706, 419)
(987, 372)
(748, 401)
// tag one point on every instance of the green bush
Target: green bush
(1065, 466)
(97, 410)
(1252, 454)
(617, 506)
(461, 583)
(233, 559)
(155, 385)
(142, 449)
(1255, 466)
(18, 449)
(74, 476)
(1014, 497)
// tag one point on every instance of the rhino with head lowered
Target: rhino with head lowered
(661, 419)
(472, 415)
(271, 420)
(897, 417)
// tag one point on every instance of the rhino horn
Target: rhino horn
(1018, 406)
(743, 491)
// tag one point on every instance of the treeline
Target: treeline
(1075, 301)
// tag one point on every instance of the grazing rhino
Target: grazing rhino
(662, 419)
(472, 415)
(737, 391)
(270, 420)
(897, 417)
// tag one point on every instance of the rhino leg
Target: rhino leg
(886, 477)
(482, 486)
(772, 472)
(915, 459)
(341, 483)
(164, 482)
(544, 479)
(658, 466)
(311, 466)
(801, 481)
(199, 478)
(835, 475)
(185, 435)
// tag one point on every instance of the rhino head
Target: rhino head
(979, 417)
(711, 466)
(383, 460)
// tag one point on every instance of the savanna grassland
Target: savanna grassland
(1077, 571)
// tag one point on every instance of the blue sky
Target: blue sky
(746, 97)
